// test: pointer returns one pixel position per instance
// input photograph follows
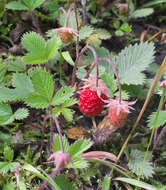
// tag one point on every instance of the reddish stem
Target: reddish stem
(77, 60)
(59, 132)
(77, 42)
(52, 129)
(116, 74)
(68, 14)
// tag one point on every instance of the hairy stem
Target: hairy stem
(116, 74)
(77, 60)
(35, 22)
(59, 132)
(68, 14)
(52, 129)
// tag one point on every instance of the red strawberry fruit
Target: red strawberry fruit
(91, 97)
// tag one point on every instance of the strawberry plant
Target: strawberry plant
(82, 95)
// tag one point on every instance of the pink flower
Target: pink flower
(61, 159)
(163, 84)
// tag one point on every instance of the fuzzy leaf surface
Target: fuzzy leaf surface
(135, 163)
(79, 147)
(67, 113)
(7, 94)
(161, 119)
(5, 114)
(37, 101)
(57, 145)
(132, 61)
(21, 113)
(43, 83)
(23, 84)
(62, 95)
(34, 43)
(142, 13)
(85, 32)
(78, 163)
(32, 4)
(16, 5)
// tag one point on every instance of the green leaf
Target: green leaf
(2, 74)
(64, 183)
(79, 147)
(8, 153)
(102, 34)
(132, 61)
(142, 13)
(32, 58)
(32, 4)
(16, 66)
(57, 111)
(52, 46)
(57, 145)
(43, 83)
(85, 32)
(93, 40)
(9, 186)
(62, 95)
(78, 163)
(21, 184)
(37, 101)
(69, 103)
(21, 113)
(106, 183)
(5, 114)
(34, 43)
(153, 3)
(7, 94)
(135, 163)
(23, 84)
(68, 58)
(125, 27)
(16, 5)
(5, 167)
(36, 172)
(67, 113)
(161, 119)
(136, 183)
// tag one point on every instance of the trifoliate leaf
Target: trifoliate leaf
(43, 83)
(37, 101)
(67, 113)
(85, 32)
(79, 147)
(23, 84)
(161, 119)
(21, 113)
(5, 114)
(16, 5)
(135, 163)
(142, 13)
(57, 144)
(132, 61)
(62, 95)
